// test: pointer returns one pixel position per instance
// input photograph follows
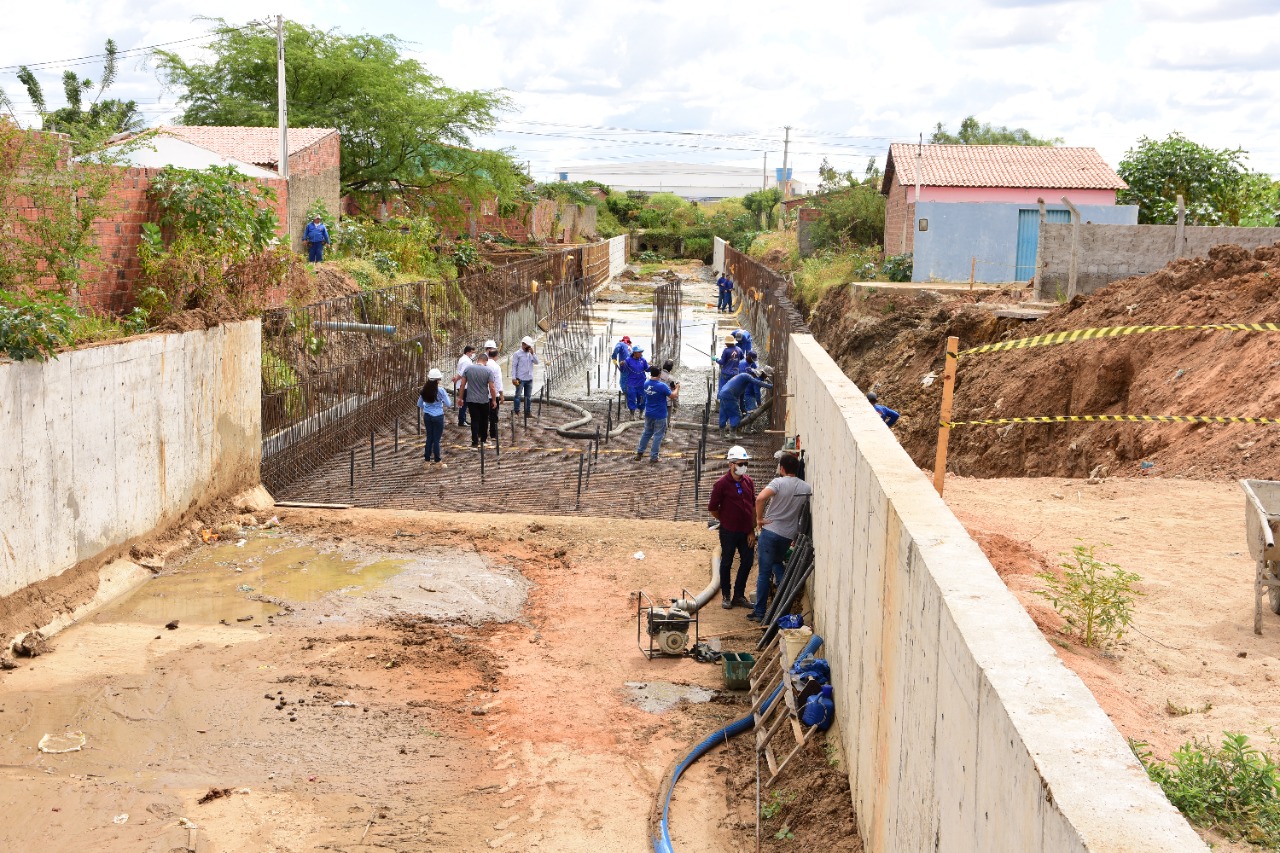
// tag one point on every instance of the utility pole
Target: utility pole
(764, 173)
(284, 104)
(786, 180)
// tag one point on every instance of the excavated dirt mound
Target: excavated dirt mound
(332, 282)
(893, 348)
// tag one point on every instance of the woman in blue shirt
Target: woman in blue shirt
(433, 401)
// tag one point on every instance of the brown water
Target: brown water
(217, 583)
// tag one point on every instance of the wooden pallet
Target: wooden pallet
(767, 676)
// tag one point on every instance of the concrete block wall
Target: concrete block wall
(962, 730)
(108, 443)
(1108, 253)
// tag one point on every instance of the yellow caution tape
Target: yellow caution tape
(1157, 419)
(1075, 335)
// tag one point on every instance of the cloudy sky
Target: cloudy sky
(715, 81)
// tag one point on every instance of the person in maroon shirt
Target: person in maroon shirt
(733, 504)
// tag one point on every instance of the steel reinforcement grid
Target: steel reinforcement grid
(334, 370)
(772, 318)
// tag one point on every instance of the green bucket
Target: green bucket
(737, 670)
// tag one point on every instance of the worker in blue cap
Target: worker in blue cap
(637, 373)
(743, 337)
(621, 352)
(730, 399)
(751, 398)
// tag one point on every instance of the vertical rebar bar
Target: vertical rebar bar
(578, 499)
(372, 460)
(482, 461)
(395, 429)
(353, 471)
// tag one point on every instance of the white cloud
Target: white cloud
(1094, 73)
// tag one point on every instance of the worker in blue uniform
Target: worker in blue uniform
(621, 352)
(750, 399)
(637, 372)
(888, 415)
(728, 360)
(730, 399)
(743, 337)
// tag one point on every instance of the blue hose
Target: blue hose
(662, 840)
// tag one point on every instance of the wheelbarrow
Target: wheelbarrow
(1262, 527)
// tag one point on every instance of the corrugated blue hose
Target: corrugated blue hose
(662, 841)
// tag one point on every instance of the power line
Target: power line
(84, 60)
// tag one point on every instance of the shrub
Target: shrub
(898, 267)
(33, 327)
(1097, 604)
(1234, 789)
(364, 272)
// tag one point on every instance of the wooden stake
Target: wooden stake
(944, 417)
(973, 271)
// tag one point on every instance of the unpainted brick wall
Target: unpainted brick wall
(899, 220)
(315, 172)
(110, 282)
(1108, 253)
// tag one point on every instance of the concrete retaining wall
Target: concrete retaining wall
(105, 444)
(617, 255)
(1108, 253)
(961, 728)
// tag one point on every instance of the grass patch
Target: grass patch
(825, 270)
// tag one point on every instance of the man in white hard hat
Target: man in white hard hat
(522, 362)
(491, 349)
(733, 504)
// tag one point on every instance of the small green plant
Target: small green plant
(465, 255)
(1094, 596)
(785, 834)
(832, 752)
(1175, 710)
(33, 327)
(898, 267)
(777, 801)
(1233, 789)
(648, 256)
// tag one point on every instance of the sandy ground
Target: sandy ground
(1193, 647)
(481, 718)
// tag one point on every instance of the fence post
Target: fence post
(944, 418)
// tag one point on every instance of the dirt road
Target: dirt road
(478, 720)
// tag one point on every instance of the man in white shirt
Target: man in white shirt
(463, 363)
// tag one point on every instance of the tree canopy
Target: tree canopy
(87, 125)
(852, 207)
(1215, 184)
(974, 133)
(403, 130)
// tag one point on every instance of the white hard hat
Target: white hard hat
(737, 453)
(491, 344)
(434, 373)
(527, 341)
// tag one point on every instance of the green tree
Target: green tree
(403, 131)
(88, 124)
(761, 204)
(852, 208)
(1214, 183)
(974, 133)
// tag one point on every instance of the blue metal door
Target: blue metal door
(1029, 239)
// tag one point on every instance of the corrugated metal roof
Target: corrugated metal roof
(1001, 166)
(260, 145)
(164, 150)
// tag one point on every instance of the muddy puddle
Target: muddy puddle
(272, 575)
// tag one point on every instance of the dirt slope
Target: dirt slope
(892, 347)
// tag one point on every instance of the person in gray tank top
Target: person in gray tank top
(778, 509)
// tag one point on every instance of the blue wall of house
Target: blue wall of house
(988, 231)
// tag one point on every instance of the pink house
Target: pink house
(963, 209)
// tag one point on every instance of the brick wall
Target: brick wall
(899, 220)
(315, 172)
(1108, 253)
(109, 284)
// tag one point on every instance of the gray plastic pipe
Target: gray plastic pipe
(362, 328)
(700, 601)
